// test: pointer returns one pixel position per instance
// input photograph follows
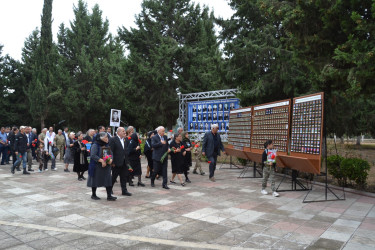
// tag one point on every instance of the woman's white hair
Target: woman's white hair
(71, 133)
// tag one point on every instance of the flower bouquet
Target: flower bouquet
(107, 158)
(173, 149)
(34, 143)
(271, 156)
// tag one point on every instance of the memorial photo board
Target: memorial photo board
(202, 114)
(307, 133)
(271, 122)
(307, 125)
(240, 128)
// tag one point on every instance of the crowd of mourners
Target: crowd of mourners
(107, 157)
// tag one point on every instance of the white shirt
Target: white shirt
(122, 141)
(51, 136)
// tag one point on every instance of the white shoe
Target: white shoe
(275, 194)
(45, 170)
(264, 192)
(40, 171)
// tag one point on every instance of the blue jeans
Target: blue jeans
(23, 159)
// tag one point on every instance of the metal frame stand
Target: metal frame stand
(326, 187)
(295, 183)
(184, 98)
(230, 163)
(255, 171)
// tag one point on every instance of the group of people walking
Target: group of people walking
(108, 157)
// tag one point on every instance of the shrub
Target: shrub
(356, 170)
(333, 165)
(348, 169)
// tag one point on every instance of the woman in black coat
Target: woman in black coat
(80, 157)
(135, 154)
(148, 153)
(177, 158)
(99, 169)
(187, 161)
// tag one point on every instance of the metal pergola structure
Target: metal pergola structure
(209, 95)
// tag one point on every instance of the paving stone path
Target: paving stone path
(53, 210)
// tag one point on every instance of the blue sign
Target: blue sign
(201, 115)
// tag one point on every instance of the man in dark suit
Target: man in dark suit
(109, 132)
(159, 143)
(120, 161)
(20, 146)
(211, 147)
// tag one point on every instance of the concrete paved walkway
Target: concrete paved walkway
(53, 210)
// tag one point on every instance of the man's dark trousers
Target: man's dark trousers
(122, 172)
(160, 168)
(212, 166)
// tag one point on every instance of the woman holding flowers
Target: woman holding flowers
(135, 154)
(100, 167)
(177, 158)
(69, 153)
(187, 159)
(80, 157)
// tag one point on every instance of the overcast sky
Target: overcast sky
(18, 18)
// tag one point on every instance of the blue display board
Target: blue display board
(202, 114)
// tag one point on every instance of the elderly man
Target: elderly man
(160, 146)
(60, 143)
(120, 160)
(20, 146)
(30, 143)
(211, 148)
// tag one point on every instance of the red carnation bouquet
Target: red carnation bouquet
(34, 143)
(85, 142)
(107, 158)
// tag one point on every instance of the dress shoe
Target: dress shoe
(83, 178)
(94, 197)
(203, 173)
(195, 172)
(152, 184)
(126, 193)
(212, 179)
(31, 170)
(12, 170)
(66, 170)
(166, 187)
(25, 172)
(140, 184)
(18, 169)
(188, 180)
(131, 184)
(147, 177)
(111, 198)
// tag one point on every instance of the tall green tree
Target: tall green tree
(291, 48)
(173, 46)
(43, 90)
(90, 57)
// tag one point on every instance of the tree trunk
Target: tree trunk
(42, 124)
(359, 140)
(341, 140)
